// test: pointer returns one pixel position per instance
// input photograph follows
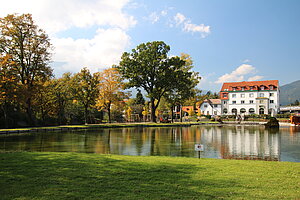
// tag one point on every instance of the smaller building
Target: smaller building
(211, 107)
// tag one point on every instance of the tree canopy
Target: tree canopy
(148, 66)
(30, 49)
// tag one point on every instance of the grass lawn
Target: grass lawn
(92, 176)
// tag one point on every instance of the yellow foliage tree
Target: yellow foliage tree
(110, 90)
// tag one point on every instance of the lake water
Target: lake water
(227, 142)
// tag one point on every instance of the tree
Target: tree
(85, 89)
(149, 67)
(8, 85)
(110, 90)
(184, 89)
(62, 91)
(29, 48)
(139, 99)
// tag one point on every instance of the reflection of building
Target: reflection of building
(244, 143)
(250, 97)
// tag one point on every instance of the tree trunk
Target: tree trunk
(108, 110)
(29, 111)
(5, 115)
(180, 110)
(85, 114)
(172, 119)
(153, 108)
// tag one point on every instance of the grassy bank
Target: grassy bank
(95, 126)
(94, 176)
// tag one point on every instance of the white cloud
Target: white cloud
(153, 17)
(56, 16)
(179, 18)
(255, 78)
(239, 74)
(246, 61)
(101, 51)
(188, 26)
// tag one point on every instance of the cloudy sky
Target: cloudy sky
(229, 40)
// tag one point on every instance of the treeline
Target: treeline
(31, 96)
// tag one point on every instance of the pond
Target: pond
(226, 142)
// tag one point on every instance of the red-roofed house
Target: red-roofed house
(250, 97)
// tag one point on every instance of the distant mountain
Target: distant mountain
(289, 93)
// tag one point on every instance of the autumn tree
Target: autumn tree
(149, 67)
(29, 48)
(8, 85)
(85, 89)
(110, 90)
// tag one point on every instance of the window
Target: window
(251, 102)
(261, 111)
(215, 113)
(242, 102)
(251, 111)
(224, 95)
(271, 94)
(271, 101)
(242, 95)
(234, 88)
(271, 87)
(233, 95)
(251, 95)
(233, 102)
(251, 87)
(225, 110)
(261, 101)
(215, 106)
(262, 87)
(243, 88)
(234, 111)
(205, 105)
(224, 102)
(261, 94)
(243, 110)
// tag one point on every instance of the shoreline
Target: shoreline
(128, 125)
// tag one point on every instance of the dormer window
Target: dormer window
(251, 87)
(234, 88)
(262, 87)
(271, 87)
(243, 88)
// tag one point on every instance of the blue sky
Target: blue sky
(229, 40)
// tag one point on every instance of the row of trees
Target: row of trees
(31, 96)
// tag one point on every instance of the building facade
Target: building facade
(211, 107)
(250, 97)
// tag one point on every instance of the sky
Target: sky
(228, 40)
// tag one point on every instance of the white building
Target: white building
(211, 107)
(250, 97)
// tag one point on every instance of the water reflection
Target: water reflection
(228, 142)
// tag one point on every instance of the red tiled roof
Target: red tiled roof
(214, 101)
(247, 84)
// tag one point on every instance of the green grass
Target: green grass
(92, 176)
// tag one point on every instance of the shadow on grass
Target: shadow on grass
(89, 176)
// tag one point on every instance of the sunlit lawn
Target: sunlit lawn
(94, 176)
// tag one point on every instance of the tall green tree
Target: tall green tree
(149, 67)
(139, 98)
(85, 89)
(185, 88)
(30, 49)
